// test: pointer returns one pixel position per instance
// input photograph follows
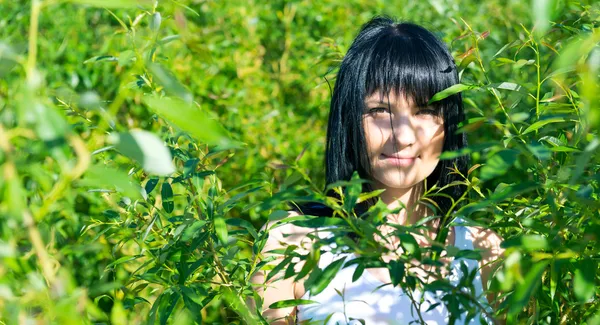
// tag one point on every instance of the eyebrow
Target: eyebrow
(387, 104)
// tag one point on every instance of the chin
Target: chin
(396, 182)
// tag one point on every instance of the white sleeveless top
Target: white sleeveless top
(375, 303)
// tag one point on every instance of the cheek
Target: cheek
(374, 136)
(433, 140)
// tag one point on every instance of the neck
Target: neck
(394, 198)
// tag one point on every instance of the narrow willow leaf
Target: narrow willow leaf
(540, 151)
(360, 269)
(193, 230)
(122, 260)
(523, 292)
(190, 119)
(50, 124)
(155, 21)
(150, 185)
(509, 86)
(291, 303)
(147, 149)
(498, 164)
(326, 276)
(167, 197)
(114, 3)
(466, 151)
(409, 243)
(543, 12)
(583, 159)
(537, 125)
(506, 193)
(118, 316)
(316, 222)
(519, 117)
(166, 307)
(238, 222)
(455, 89)
(397, 271)
(14, 196)
(168, 80)
(109, 178)
(221, 229)
(584, 285)
(365, 196)
(99, 58)
(574, 51)
(352, 192)
(279, 267)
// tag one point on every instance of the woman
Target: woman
(381, 126)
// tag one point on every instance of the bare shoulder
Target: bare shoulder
(488, 241)
(282, 234)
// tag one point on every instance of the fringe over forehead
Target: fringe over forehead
(406, 59)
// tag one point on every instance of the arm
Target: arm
(278, 289)
(488, 242)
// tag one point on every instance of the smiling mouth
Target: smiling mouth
(399, 161)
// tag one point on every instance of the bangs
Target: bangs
(410, 66)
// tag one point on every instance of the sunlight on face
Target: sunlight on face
(417, 131)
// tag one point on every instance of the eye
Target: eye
(378, 110)
(427, 111)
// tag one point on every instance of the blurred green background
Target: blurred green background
(264, 70)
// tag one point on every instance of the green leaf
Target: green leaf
(409, 243)
(14, 196)
(99, 58)
(534, 242)
(192, 230)
(498, 164)
(537, 125)
(540, 151)
(326, 276)
(122, 260)
(221, 229)
(509, 86)
(238, 222)
(468, 254)
(150, 185)
(455, 89)
(109, 178)
(291, 303)
(506, 193)
(190, 119)
(365, 196)
(147, 149)
(523, 292)
(397, 271)
(168, 80)
(50, 124)
(584, 285)
(114, 3)
(543, 12)
(166, 194)
(316, 222)
(118, 316)
(358, 272)
(155, 21)
(467, 151)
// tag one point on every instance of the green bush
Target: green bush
(143, 143)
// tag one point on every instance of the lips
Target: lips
(399, 160)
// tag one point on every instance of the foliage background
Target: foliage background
(79, 244)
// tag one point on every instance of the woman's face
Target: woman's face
(418, 133)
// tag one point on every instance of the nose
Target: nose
(404, 132)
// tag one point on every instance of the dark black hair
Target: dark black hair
(390, 56)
